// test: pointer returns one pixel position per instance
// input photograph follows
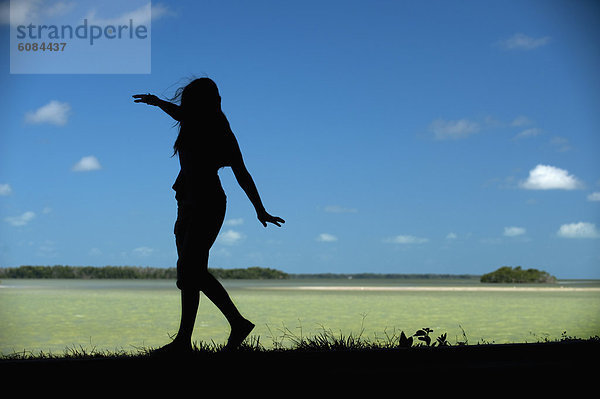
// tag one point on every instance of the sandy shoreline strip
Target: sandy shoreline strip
(434, 288)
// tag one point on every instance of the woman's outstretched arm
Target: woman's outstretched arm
(246, 182)
(172, 109)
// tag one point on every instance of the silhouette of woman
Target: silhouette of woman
(205, 144)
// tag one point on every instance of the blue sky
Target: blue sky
(392, 136)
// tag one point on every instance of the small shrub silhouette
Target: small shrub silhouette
(423, 336)
(405, 342)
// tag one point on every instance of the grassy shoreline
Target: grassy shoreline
(325, 361)
(315, 366)
(323, 342)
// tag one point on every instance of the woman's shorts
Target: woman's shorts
(196, 229)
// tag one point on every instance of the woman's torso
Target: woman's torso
(207, 147)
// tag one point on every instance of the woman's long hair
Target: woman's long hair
(198, 100)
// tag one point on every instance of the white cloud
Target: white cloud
(141, 15)
(24, 12)
(578, 230)
(532, 132)
(143, 251)
(87, 164)
(95, 252)
(5, 189)
(546, 177)
(453, 130)
(19, 12)
(55, 113)
(339, 209)
(451, 236)
(326, 237)
(230, 237)
(514, 231)
(160, 10)
(520, 41)
(47, 249)
(561, 144)
(20, 220)
(521, 121)
(594, 197)
(234, 222)
(406, 239)
(59, 8)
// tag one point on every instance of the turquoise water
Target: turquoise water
(52, 315)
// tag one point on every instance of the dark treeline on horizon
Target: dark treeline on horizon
(385, 275)
(129, 272)
(87, 272)
(138, 272)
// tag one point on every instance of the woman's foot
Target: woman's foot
(239, 332)
(175, 348)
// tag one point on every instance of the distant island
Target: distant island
(507, 274)
(136, 272)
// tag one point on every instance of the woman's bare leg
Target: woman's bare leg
(182, 343)
(240, 327)
(190, 300)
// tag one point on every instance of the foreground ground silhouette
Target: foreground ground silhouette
(535, 368)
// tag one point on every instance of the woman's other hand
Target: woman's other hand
(264, 217)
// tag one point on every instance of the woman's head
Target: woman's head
(200, 102)
(199, 96)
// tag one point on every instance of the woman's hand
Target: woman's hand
(149, 99)
(173, 110)
(264, 217)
